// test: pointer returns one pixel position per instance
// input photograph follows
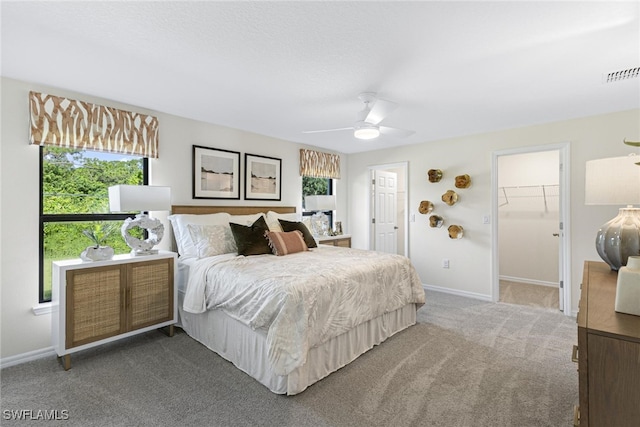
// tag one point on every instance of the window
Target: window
(312, 186)
(74, 197)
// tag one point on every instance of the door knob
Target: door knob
(556, 234)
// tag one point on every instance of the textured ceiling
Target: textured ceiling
(280, 68)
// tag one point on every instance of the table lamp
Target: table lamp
(130, 198)
(319, 205)
(616, 181)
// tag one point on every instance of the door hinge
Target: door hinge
(373, 220)
(373, 182)
(561, 284)
(561, 226)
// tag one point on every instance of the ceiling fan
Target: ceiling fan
(367, 125)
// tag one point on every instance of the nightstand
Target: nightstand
(94, 303)
(343, 240)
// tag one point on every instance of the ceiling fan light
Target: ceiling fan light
(366, 132)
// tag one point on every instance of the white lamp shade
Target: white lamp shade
(613, 181)
(320, 203)
(130, 198)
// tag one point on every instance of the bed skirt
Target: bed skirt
(247, 350)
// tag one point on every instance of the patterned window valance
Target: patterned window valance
(69, 123)
(319, 165)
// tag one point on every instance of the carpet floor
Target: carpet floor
(528, 294)
(466, 363)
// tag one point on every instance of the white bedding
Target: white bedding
(305, 299)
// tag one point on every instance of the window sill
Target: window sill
(40, 309)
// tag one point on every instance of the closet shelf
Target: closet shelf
(528, 191)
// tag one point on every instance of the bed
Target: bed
(287, 321)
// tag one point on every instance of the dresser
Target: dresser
(608, 354)
(98, 302)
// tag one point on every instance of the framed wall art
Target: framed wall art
(216, 173)
(262, 177)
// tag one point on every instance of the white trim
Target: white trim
(43, 308)
(457, 292)
(19, 359)
(529, 281)
(565, 215)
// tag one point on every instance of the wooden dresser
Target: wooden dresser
(608, 354)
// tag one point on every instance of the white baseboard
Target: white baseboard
(27, 357)
(529, 281)
(457, 292)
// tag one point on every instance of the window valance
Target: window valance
(319, 165)
(69, 123)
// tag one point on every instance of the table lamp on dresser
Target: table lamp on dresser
(616, 181)
(140, 198)
(319, 221)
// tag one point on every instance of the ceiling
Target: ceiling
(280, 68)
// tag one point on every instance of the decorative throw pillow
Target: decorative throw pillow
(212, 240)
(294, 225)
(286, 242)
(273, 217)
(250, 240)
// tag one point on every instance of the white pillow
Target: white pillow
(179, 223)
(273, 217)
(212, 240)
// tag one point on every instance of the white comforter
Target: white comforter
(304, 299)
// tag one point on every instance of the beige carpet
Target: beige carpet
(468, 363)
(528, 294)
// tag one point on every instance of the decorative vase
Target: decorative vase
(97, 253)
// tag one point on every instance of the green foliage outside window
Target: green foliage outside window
(314, 186)
(77, 182)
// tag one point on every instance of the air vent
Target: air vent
(616, 76)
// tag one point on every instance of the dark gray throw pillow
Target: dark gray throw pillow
(251, 240)
(306, 234)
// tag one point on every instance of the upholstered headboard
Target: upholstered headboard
(233, 210)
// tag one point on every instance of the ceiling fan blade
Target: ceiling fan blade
(381, 108)
(396, 132)
(327, 130)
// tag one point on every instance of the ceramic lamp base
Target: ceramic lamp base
(619, 238)
(628, 288)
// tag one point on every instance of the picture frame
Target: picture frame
(263, 179)
(216, 173)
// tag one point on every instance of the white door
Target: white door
(561, 238)
(560, 234)
(385, 200)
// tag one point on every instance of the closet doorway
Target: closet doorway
(530, 221)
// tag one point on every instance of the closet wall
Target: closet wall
(528, 217)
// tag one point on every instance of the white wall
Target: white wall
(470, 258)
(21, 330)
(528, 217)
